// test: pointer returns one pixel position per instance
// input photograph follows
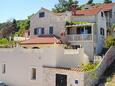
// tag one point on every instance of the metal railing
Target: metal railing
(81, 37)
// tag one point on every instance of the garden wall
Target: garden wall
(92, 77)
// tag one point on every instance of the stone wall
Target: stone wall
(19, 63)
(91, 77)
(50, 77)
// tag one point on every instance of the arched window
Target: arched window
(102, 32)
(101, 14)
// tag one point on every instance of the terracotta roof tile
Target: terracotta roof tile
(107, 7)
(94, 9)
(88, 12)
(76, 69)
(42, 40)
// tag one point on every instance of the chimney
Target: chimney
(73, 9)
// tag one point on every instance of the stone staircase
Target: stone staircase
(110, 75)
(108, 64)
(108, 78)
(112, 82)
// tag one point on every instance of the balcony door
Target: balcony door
(61, 80)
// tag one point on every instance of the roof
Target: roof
(57, 14)
(42, 40)
(104, 7)
(107, 7)
(95, 9)
(88, 12)
(58, 69)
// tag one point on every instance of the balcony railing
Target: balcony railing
(81, 37)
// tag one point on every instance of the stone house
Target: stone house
(87, 31)
(45, 22)
(109, 11)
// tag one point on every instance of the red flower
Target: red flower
(62, 33)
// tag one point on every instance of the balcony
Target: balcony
(80, 32)
(80, 37)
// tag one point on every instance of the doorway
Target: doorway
(61, 80)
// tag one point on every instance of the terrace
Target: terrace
(80, 31)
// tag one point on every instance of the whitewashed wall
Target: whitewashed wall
(88, 48)
(89, 78)
(19, 63)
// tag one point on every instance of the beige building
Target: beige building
(26, 67)
(88, 30)
(49, 67)
(45, 22)
(47, 26)
(52, 65)
(109, 11)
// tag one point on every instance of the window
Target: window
(35, 31)
(39, 31)
(50, 30)
(88, 29)
(68, 31)
(101, 14)
(4, 68)
(80, 30)
(29, 33)
(42, 14)
(33, 74)
(110, 14)
(42, 31)
(102, 31)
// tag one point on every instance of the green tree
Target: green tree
(90, 2)
(22, 25)
(64, 5)
(8, 28)
(107, 1)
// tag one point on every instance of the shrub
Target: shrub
(110, 41)
(90, 66)
(4, 41)
(108, 79)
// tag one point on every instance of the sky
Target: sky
(20, 9)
